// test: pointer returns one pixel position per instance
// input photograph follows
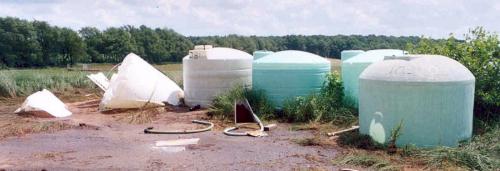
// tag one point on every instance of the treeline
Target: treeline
(36, 43)
(326, 46)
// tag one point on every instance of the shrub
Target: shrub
(324, 106)
(261, 104)
(223, 104)
(480, 53)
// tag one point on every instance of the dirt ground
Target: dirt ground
(91, 140)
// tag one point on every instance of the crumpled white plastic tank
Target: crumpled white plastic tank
(138, 83)
(44, 101)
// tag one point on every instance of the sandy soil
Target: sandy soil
(108, 142)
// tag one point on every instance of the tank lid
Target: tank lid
(374, 55)
(417, 68)
(291, 59)
(217, 53)
(292, 56)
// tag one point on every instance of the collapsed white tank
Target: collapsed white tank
(138, 84)
(209, 71)
(431, 96)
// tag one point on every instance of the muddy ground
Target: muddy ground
(91, 140)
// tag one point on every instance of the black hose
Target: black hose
(210, 126)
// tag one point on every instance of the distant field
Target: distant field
(174, 70)
(23, 82)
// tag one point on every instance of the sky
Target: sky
(432, 18)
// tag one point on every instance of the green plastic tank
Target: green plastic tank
(288, 74)
(261, 53)
(347, 54)
(431, 96)
(352, 68)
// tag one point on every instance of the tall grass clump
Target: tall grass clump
(223, 104)
(27, 81)
(327, 105)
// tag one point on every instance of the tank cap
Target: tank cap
(199, 52)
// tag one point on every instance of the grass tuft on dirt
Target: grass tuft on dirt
(141, 116)
(312, 141)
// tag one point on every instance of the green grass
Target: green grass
(24, 82)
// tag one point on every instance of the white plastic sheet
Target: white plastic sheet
(138, 83)
(100, 80)
(44, 101)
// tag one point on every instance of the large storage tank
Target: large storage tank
(347, 54)
(261, 53)
(352, 68)
(432, 96)
(209, 71)
(289, 74)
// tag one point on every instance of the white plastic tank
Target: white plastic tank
(352, 68)
(209, 71)
(432, 96)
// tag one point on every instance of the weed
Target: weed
(261, 105)
(395, 133)
(223, 104)
(325, 106)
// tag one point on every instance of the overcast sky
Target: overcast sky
(435, 18)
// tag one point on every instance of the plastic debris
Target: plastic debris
(100, 80)
(168, 149)
(44, 104)
(179, 142)
(137, 84)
